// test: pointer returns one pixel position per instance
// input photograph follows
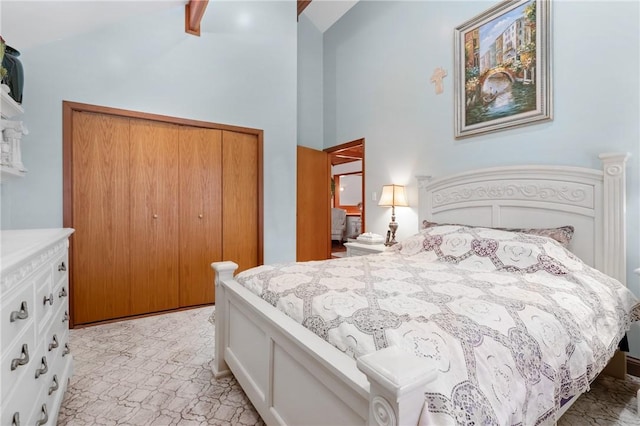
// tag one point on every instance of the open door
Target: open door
(347, 162)
(313, 221)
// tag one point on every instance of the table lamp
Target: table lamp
(392, 196)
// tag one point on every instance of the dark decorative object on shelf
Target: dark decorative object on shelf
(15, 74)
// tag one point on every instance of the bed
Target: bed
(293, 376)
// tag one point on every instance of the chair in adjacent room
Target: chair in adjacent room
(338, 224)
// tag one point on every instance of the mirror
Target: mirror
(348, 192)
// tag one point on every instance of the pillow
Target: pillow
(562, 234)
(491, 249)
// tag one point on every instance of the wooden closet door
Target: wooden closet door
(200, 163)
(240, 200)
(154, 216)
(100, 197)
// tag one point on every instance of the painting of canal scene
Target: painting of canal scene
(502, 68)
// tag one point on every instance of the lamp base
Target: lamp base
(391, 233)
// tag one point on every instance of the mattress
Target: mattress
(514, 323)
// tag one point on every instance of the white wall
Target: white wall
(241, 71)
(378, 60)
(354, 166)
(310, 125)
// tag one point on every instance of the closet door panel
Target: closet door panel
(100, 197)
(200, 164)
(154, 216)
(240, 201)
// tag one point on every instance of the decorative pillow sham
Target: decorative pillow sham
(488, 249)
(562, 234)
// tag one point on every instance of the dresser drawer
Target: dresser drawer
(56, 336)
(18, 311)
(61, 295)
(59, 323)
(16, 363)
(41, 372)
(21, 403)
(46, 302)
(54, 344)
(42, 412)
(60, 268)
(60, 369)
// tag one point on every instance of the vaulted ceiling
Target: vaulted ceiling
(26, 24)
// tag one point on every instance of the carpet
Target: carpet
(151, 371)
(157, 371)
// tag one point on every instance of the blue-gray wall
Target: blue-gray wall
(310, 123)
(378, 60)
(241, 71)
(376, 65)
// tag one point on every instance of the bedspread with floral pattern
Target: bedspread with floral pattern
(512, 322)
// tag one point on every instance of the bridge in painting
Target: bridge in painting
(498, 70)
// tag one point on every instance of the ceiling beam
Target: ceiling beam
(193, 12)
(302, 4)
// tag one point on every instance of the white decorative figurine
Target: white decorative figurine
(12, 132)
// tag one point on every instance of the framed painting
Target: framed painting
(503, 68)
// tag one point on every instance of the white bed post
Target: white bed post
(614, 236)
(614, 216)
(397, 382)
(223, 271)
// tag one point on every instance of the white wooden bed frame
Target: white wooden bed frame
(294, 377)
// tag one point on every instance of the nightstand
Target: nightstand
(359, 249)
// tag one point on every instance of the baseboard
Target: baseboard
(633, 366)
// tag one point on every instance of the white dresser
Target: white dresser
(35, 363)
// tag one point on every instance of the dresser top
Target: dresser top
(17, 245)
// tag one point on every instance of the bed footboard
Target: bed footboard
(294, 377)
(397, 381)
(223, 271)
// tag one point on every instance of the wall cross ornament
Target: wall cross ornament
(436, 78)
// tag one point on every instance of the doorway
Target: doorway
(347, 194)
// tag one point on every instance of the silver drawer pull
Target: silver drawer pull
(65, 318)
(43, 369)
(15, 421)
(24, 358)
(23, 313)
(63, 292)
(54, 343)
(54, 387)
(66, 350)
(62, 267)
(45, 416)
(48, 299)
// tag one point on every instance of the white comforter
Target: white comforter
(512, 322)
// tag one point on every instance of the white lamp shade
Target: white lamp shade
(393, 196)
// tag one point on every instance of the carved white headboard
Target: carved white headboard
(593, 201)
